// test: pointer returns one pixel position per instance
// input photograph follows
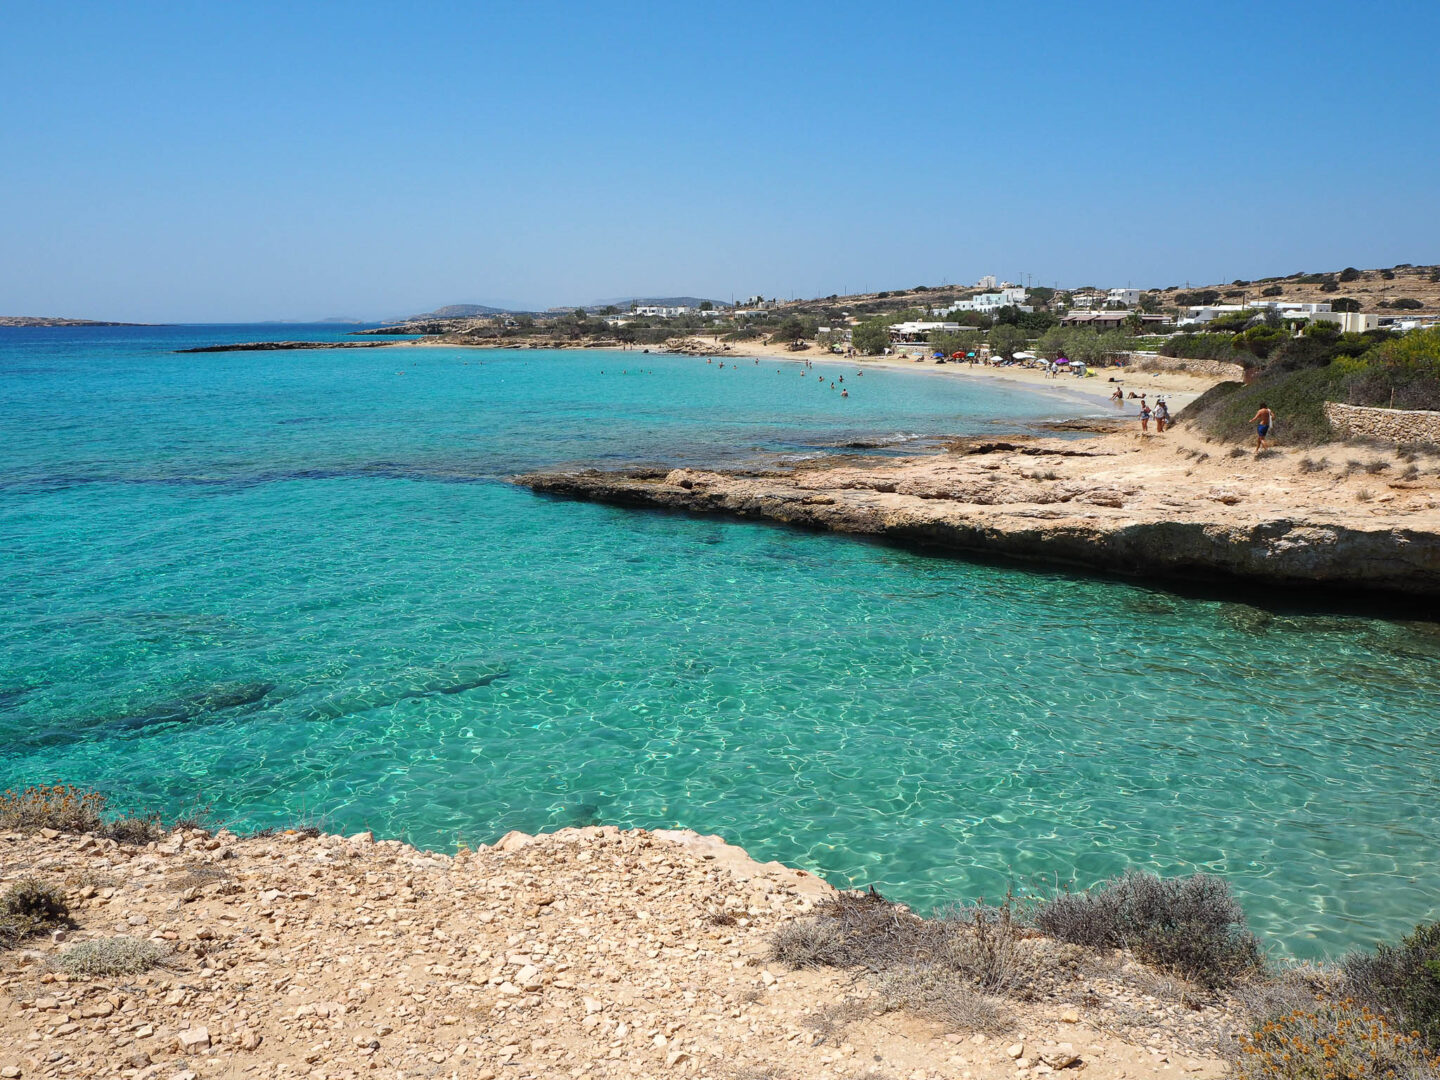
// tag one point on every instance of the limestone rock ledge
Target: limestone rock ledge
(584, 952)
(1045, 501)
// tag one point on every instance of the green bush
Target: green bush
(872, 336)
(1297, 398)
(1349, 274)
(1191, 927)
(1271, 290)
(1403, 981)
(1205, 347)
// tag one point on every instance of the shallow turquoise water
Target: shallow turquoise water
(295, 584)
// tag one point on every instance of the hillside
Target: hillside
(458, 311)
(1377, 290)
(51, 320)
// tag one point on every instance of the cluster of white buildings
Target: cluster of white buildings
(988, 303)
(1347, 321)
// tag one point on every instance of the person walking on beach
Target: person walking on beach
(1162, 416)
(1144, 417)
(1263, 420)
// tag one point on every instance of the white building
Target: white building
(985, 303)
(1124, 297)
(1199, 316)
(986, 282)
(920, 331)
(656, 312)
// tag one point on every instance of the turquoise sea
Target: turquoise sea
(296, 586)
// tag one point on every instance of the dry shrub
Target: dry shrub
(942, 967)
(1377, 467)
(848, 930)
(1290, 989)
(66, 808)
(1310, 465)
(945, 996)
(31, 907)
(1191, 927)
(1403, 981)
(1332, 1041)
(111, 956)
(57, 806)
(1364, 495)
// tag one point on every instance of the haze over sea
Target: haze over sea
(296, 586)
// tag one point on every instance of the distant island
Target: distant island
(55, 320)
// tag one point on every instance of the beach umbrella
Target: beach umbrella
(1062, 360)
(958, 355)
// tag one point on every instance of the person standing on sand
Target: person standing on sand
(1144, 417)
(1263, 420)
(1162, 416)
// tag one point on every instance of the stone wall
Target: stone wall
(1392, 425)
(1147, 361)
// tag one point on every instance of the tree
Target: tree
(872, 337)
(1133, 323)
(1007, 340)
(1349, 274)
(610, 309)
(1271, 290)
(953, 343)
(706, 305)
(1344, 303)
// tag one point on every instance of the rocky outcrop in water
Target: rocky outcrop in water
(1142, 508)
(269, 346)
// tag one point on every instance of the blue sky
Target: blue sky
(211, 162)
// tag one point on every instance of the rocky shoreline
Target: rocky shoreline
(269, 346)
(585, 952)
(1172, 508)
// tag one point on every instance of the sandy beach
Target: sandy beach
(1178, 388)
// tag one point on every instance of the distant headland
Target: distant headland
(55, 320)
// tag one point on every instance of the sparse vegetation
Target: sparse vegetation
(111, 956)
(65, 808)
(31, 907)
(951, 967)
(1402, 981)
(1191, 927)
(1332, 1041)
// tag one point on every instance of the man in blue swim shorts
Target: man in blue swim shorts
(1263, 420)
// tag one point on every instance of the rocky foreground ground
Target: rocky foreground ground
(586, 952)
(1176, 506)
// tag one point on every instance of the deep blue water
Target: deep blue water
(296, 584)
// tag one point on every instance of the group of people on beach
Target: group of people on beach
(1159, 412)
(1264, 418)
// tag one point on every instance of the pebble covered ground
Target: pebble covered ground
(588, 952)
